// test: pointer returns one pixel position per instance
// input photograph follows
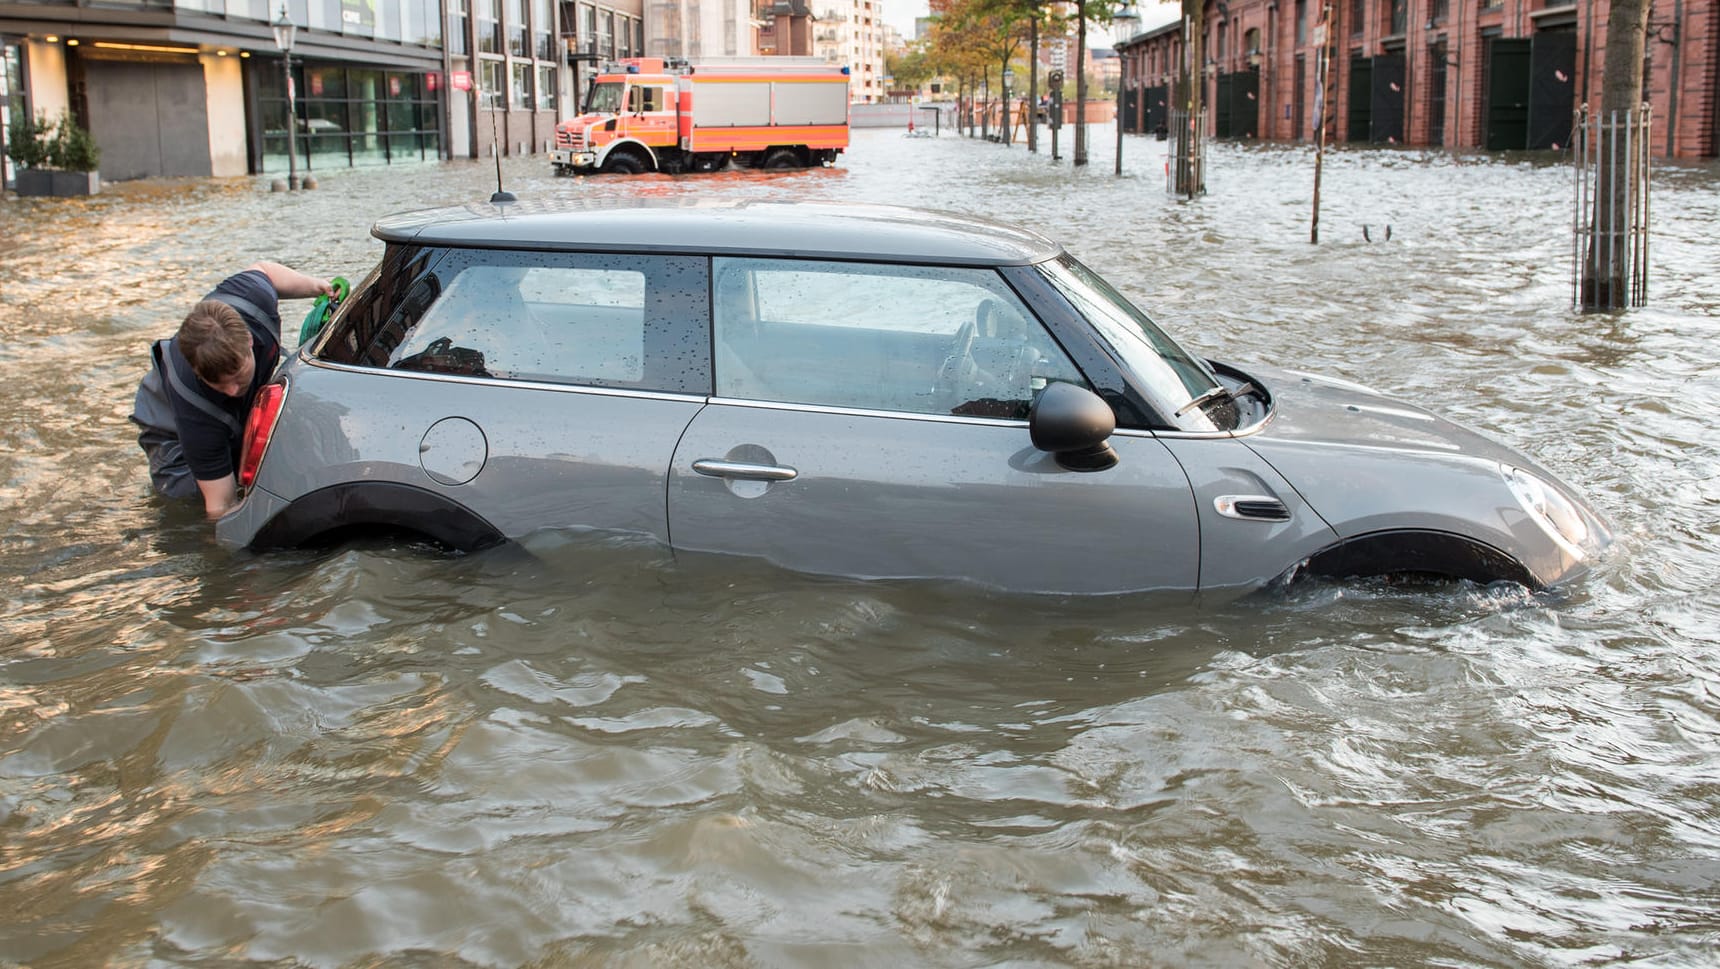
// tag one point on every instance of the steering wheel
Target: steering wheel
(958, 363)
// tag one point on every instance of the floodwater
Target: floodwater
(598, 755)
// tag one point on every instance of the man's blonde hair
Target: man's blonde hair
(214, 340)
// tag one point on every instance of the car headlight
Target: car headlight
(1557, 515)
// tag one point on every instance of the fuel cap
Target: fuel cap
(453, 451)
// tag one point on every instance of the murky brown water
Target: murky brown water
(598, 755)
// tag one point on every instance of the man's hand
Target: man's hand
(220, 496)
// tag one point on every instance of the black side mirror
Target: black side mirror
(1073, 423)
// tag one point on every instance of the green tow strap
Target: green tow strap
(323, 309)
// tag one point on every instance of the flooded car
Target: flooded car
(856, 390)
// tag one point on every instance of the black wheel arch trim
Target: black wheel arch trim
(1411, 550)
(384, 503)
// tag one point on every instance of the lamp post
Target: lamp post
(1008, 83)
(285, 29)
(1124, 23)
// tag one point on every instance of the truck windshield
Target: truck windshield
(605, 98)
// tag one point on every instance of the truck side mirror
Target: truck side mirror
(1073, 424)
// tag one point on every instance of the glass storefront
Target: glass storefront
(349, 116)
(12, 108)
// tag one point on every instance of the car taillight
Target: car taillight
(258, 428)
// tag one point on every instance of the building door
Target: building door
(151, 118)
(1385, 120)
(1300, 96)
(1245, 104)
(1436, 93)
(1508, 73)
(1221, 107)
(1156, 98)
(1552, 84)
(1361, 99)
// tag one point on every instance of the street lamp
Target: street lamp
(1125, 22)
(1008, 128)
(285, 29)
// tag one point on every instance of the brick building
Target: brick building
(1496, 74)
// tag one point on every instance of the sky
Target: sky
(901, 13)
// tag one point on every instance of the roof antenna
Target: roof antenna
(496, 148)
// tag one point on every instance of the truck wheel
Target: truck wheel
(624, 163)
(782, 158)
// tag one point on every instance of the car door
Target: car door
(872, 421)
(533, 389)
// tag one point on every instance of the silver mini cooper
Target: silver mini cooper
(855, 390)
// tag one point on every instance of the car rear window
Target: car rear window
(595, 319)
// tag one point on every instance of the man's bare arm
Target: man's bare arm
(289, 283)
(220, 496)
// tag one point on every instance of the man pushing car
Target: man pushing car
(193, 403)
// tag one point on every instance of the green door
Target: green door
(1508, 73)
(1221, 107)
(1361, 99)
(1553, 68)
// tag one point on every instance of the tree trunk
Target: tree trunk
(1190, 180)
(1606, 281)
(1081, 85)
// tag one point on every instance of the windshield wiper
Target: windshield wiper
(1221, 390)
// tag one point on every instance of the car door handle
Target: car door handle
(746, 472)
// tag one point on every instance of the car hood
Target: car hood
(1328, 412)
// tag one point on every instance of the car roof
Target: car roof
(825, 230)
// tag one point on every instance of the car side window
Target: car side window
(628, 321)
(916, 339)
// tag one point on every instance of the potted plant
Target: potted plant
(55, 158)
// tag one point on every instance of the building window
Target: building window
(491, 83)
(457, 43)
(543, 35)
(350, 116)
(1398, 12)
(517, 13)
(588, 30)
(546, 87)
(606, 33)
(1438, 10)
(489, 27)
(520, 91)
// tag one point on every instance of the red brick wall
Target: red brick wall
(1685, 101)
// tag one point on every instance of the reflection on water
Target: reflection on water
(588, 752)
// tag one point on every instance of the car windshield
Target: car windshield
(1171, 375)
(605, 98)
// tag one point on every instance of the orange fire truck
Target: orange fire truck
(646, 114)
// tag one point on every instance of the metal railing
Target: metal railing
(1609, 208)
(1185, 167)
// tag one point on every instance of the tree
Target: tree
(910, 69)
(1618, 170)
(960, 41)
(1100, 14)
